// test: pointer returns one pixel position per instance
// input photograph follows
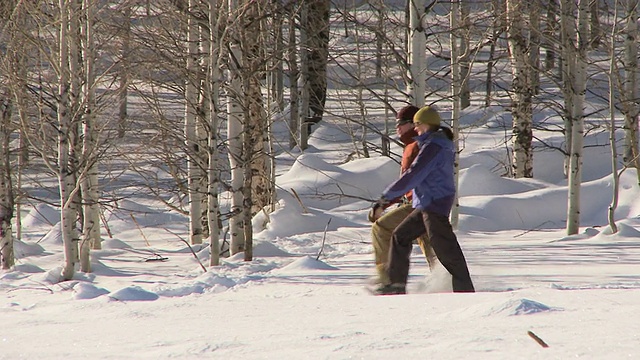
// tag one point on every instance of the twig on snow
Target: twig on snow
(537, 339)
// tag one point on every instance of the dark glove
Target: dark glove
(376, 209)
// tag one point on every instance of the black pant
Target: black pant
(444, 242)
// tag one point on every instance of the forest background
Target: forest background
(183, 97)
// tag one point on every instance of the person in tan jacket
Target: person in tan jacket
(385, 223)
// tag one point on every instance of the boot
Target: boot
(391, 289)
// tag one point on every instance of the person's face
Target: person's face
(421, 128)
(404, 128)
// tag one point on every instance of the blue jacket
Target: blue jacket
(430, 175)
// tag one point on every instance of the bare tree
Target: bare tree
(416, 53)
(9, 59)
(574, 55)
(235, 129)
(519, 46)
(631, 95)
(316, 49)
(6, 183)
(89, 184)
(66, 180)
(456, 87)
(194, 171)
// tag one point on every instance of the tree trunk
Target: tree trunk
(91, 226)
(631, 94)
(416, 50)
(294, 75)
(522, 92)
(212, 87)
(65, 175)
(6, 186)
(578, 80)
(465, 56)
(612, 136)
(317, 29)
(235, 138)
(534, 10)
(194, 173)
(257, 152)
(454, 21)
(123, 71)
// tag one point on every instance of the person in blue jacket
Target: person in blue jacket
(431, 178)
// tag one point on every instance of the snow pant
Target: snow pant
(444, 242)
(381, 237)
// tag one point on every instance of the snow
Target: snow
(303, 296)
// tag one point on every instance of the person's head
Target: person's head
(404, 119)
(426, 119)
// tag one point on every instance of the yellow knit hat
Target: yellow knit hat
(427, 115)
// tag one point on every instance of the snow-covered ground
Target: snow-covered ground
(148, 296)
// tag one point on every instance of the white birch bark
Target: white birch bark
(194, 173)
(294, 74)
(258, 137)
(416, 51)
(304, 79)
(76, 99)
(631, 97)
(123, 71)
(91, 226)
(464, 58)
(65, 176)
(577, 129)
(212, 85)
(535, 12)
(568, 57)
(235, 137)
(454, 21)
(522, 165)
(612, 131)
(6, 187)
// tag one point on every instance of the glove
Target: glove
(374, 214)
(376, 209)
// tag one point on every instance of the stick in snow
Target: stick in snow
(324, 236)
(537, 339)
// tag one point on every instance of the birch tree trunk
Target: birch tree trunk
(522, 92)
(235, 135)
(6, 186)
(75, 110)
(194, 173)
(416, 51)
(612, 131)
(304, 87)
(13, 61)
(496, 9)
(91, 227)
(65, 175)
(454, 23)
(123, 71)
(534, 11)
(568, 55)
(317, 26)
(212, 87)
(464, 58)
(550, 32)
(294, 75)
(256, 135)
(578, 80)
(631, 97)
(277, 70)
